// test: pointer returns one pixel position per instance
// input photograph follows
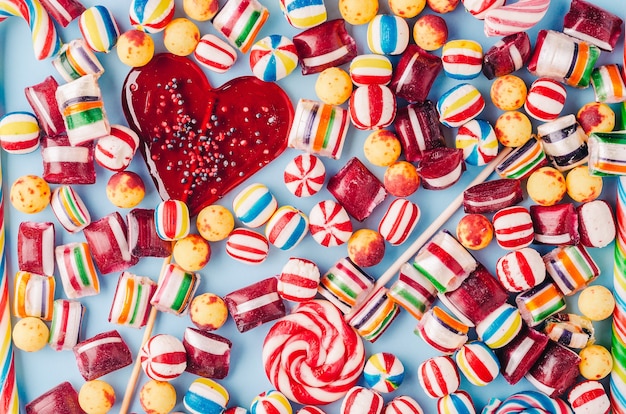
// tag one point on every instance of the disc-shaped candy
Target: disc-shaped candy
(163, 357)
(329, 223)
(304, 175)
(19, 132)
(205, 396)
(270, 402)
(478, 141)
(273, 58)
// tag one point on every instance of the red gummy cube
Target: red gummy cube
(62, 399)
(519, 355)
(208, 354)
(35, 247)
(555, 225)
(255, 304)
(415, 74)
(102, 354)
(357, 189)
(108, 244)
(143, 239)
(556, 369)
(67, 164)
(418, 129)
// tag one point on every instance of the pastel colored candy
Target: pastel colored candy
(247, 246)
(304, 14)
(19, 132)
(478, 8)
(540, 302)
(360, 400)
(458, 402)
(589, 22)
(76, 59)
(478, 141)
(415, 74)
(76, 269)
(399, 221)
(608, 84)
(215, 54)
(64, 163)
(206, 396)
(371, 69)
(374, 315)
(287, 227)
(254, 205)
(67, 320)
(438, 376)
(304, 176)
(459, 105)
(108, 243)
(102, 354)
(571, 268)
(462, 59)
(255, 304)
(151, 16)
(523, 160)
(115, 151)
(521, 269)
(596, 223)
(605, 155)
(329, 223)
(273, 58)
(63, 11)
(69, 209)
(33, 295)
(344, 284)
(545, 99)
(403, 404)
(500, 327)
(131, 301)
(99, 28)
(519, 355)
(42, 99)
(298, 280)
(589, 397)
(175, 290)
(507, 56)
(418, 129)
(442, 331)
(513, 228)
(171, 218)
(208, 354)
(478, 363)
(319, 128)
(163, 357)
(240, 22)
(413, 291)
(35, 247)
(383, 372)
(372, 107)
(387, 34)
(514, 18)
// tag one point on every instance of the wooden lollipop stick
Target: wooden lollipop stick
(134, 376)
(438, 222)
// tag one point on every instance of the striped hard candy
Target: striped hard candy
(545, 99)
(399, 221)
(478, 363)
(589, 397)
(514, 18)
(298, 280)
(478, 141)
(205, 396)
(273, 58)
(388, 34)
(254, 205)
(215, 54)
(521, 269)
(304, 14)
(304, 176)
(383, 372)
(372, 107)
(19, 132)
(330, 223)
(247, 246)
(287, 227)
(459, 105)
(513, 227)
(361, 400)
(116, 151)
(151, 16)
(371, 69)
(99, 28)
(163, 357)
(240, 22)
(438, 376)
(270, 402)
(462, 59)
(403, 405)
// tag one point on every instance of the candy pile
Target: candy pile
(199, 143)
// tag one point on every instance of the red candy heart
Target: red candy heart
(199, 142)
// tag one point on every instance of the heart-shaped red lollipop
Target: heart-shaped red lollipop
(199, 142)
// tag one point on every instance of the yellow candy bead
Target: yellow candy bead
(181, 36)
(358, 12)
(30, 334)
(595, 362)
(333, 86)
(215, 222)
(135, 48)
(596, 302)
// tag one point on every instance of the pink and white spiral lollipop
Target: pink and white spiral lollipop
(515, 18)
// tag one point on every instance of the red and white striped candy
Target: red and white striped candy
(478, 363)
(399, 221)
(439, 376)
(19, 132)
(515, 18)
(403, 405)
(247, 246)
(371, 69)
(361, 400)
(298, 280)
(163, 357)
(521, 270)
(589, 397)
(215, 54)
(115, 151)
(478, 8)
(372, 107)
(545, 99)
(329, 223)
(513, 227)
(304, 175)
(310, 409)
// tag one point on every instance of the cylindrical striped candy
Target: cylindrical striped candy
(371, 69)
(570, 330)
(606, 155)
(69, 209)
(206, 396)
(304, 14)
(330, 223)
(374, 316)
(522, 161)
(521, 269)
(171, 218)
(247, 246)
(33, 295)
(151, 16)
(537, 304)
(459, 402)
(99, 28)
(304, 176)
(513, 228)
(442, 331)
(478, 141)
(361, 400)
(478, 363)
(67, 320)
(514, 18)
(589, 397)
(115, 151)
(344, 284)
(413, 291)
(372, 107)
(75, 60)
(383, 372)
(215, 54)
(500, 327)
(459, 105)
(76, 269)
(240, 21)
(438, 376)
(273, 58)
(19, 132)
(618, 337)
(175, 290)
(63, 11)
(403, 405)
(478, 8)
(462, 59)
(163, 357)
(608, 84)
(254, 205)
(388, 34)
(131, 302)
(287, 227)
(298, 280)
(399, 221)
(571, 267)
(564, 142)
(545, 99)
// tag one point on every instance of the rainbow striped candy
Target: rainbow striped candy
(270, 402)
(76, 269)
(462, 59)
(67, 320)
(151, 16)
(175, 290)
(287, 227)
(442, 331)
(571, 267)
(19, 132)
(247, 246)
(618, 337)
(171, 219)
(564, 142)
(478, 141)
(240, 21)
(399, 221)
(374, 315)
(522, 161)
(33, 295)
(608, 84)
(329, 223)
(215, 54)
(69, 209)
(131, 302)
(344, 284)
(372, 107)
(303, 14)
(540, 302)
(514, 18)
(99, 28)
(273, 58)
(606, 153)
(459, 105)
(500, 327)
(545, 99)
(76, 59)
(388, 34)
(478, 363)
(383, 372)
(206, 396)
(413, 291)
(254, 205)
(371, 69)
(438, 376)
(456, 403)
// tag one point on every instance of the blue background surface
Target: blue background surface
(43, 370)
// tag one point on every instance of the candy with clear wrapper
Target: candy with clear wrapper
(67, 321)
(35, 247)
(418, 129)
(415, 74)
(240, 22)
(508, 55)
(586, 21)
(108, 244)
(64, 163)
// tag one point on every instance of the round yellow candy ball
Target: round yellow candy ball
(125, 189)
(401, 179)
(333, 86)
(215, 222)
(513, 129)
(135, 48)
(430, 32)
(96, 397)
(181, 36)
(582, 186)
(30, 194)
(192, 252)
(595, 362)
(508, 92)
(358, 12)
(157, 397)
(208, 311)
(30, 334)
(200, 10)
(596, 117)
(474, 231)
(546, 186)
(596, 302)
(382, 148)
(366, 247)
(407, 8)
